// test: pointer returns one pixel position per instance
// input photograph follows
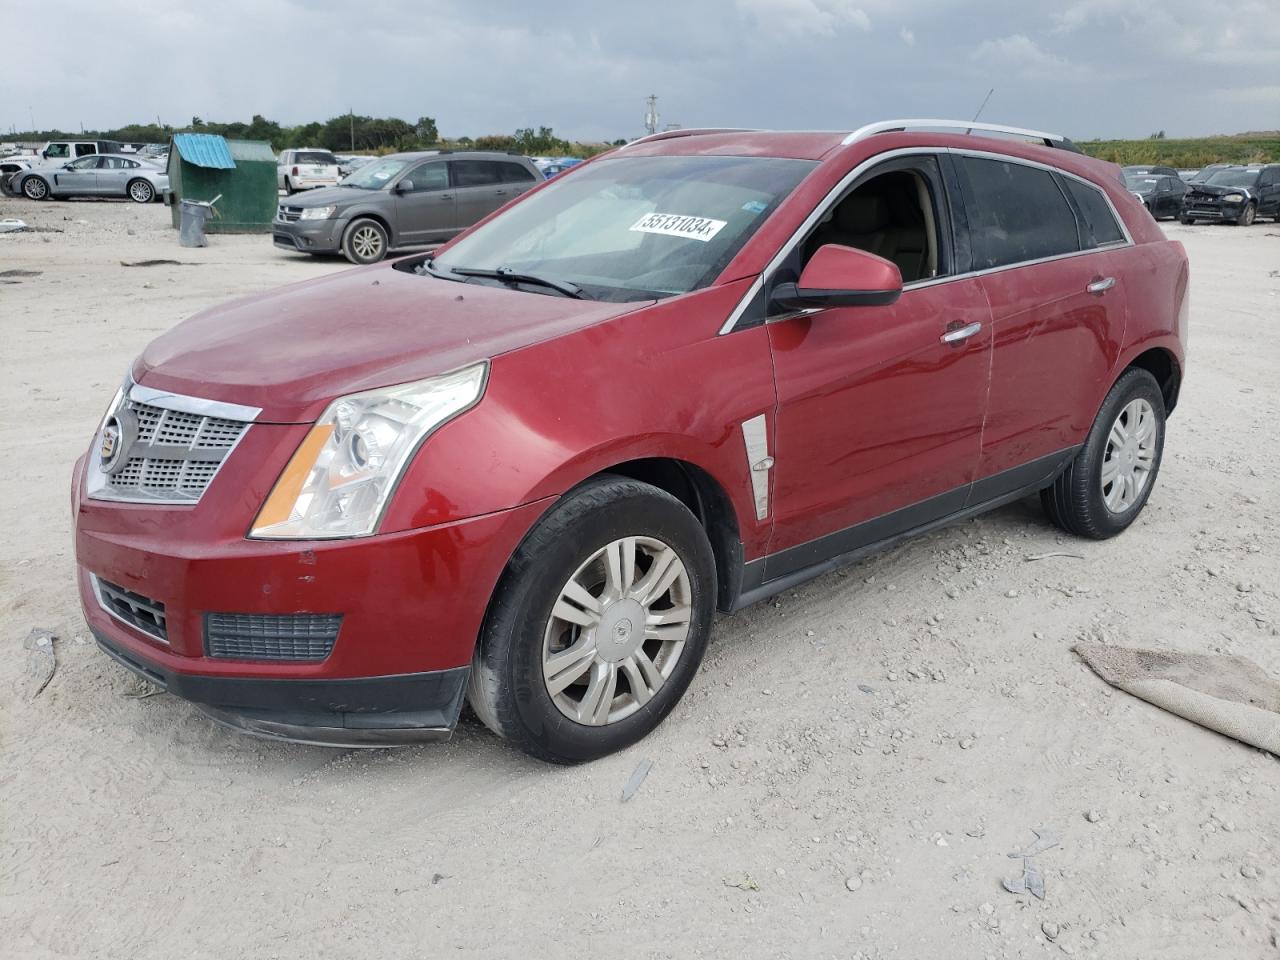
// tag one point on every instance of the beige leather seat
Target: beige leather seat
(871, 221)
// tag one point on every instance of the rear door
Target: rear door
(1052, 255)
(114, 175)
(479, 187)
(427, 211)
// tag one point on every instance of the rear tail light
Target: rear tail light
(295, 171)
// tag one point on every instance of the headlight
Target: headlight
(317, 213)
(343, 473)
(1233, 198)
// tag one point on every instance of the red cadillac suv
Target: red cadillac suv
(526, 469)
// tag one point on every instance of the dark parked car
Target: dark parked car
(1235, 195)
(1161, 195)
(1204, 173)
(703, 369)
(404, 200)
(1147, 170)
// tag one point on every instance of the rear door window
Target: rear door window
(1017, 213)
(84, 149)
(1098, 224)
(474, 173)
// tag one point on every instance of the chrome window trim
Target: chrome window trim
(835, 192)
(198, 406)
(102, 604)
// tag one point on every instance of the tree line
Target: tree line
(348, 133)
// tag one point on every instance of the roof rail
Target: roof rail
(687, 132)
(969, 126)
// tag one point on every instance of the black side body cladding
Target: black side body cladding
(796, 565)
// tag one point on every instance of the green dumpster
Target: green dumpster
(203, 165)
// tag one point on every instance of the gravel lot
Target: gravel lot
(845, 778)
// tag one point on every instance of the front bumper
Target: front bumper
(309, 236)
(412, 603)
(361, 712)
(1213, 211)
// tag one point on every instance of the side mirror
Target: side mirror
(838, 276)
(404, 186)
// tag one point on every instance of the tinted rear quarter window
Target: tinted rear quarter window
(514, 173)
(1099, 223)
(1016, 213)
(474, 173)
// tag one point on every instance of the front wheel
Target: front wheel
(140, 191)
(364, 242)
(1186, 221)
(1108, 483)
(598, 625)
(1248, 216)
(34, 188)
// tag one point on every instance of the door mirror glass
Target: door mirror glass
(839, 276)
(404, 186)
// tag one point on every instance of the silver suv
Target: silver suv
(403, 200)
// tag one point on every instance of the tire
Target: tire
(1079, 500)
(288, 188)
(35, 188)
(140, 191)
(1186, 221)
(509, 688)
(1248, 216)
(365, 241)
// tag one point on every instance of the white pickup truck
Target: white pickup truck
(306, 169)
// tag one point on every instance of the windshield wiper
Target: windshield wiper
(507, 275)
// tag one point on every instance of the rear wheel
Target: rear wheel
(1248, 216)
(365, 241)
(140, 191)
(1108, 483)
(599, 624)
(34, 188)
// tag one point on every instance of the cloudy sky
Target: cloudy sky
(1087, 68)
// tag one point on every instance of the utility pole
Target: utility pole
(651, 114)
(351, 115)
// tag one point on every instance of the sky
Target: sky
(1084, 68)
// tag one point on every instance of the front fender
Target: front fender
(655, 383)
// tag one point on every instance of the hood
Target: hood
(1218, 190)
(323, 196)
(292, 350)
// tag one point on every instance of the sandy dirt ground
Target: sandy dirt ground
(846, 777)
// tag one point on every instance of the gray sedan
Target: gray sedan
(97, 175)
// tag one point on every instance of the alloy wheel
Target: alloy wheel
(140, 191)
(617, 630)
(35, 188)
(366, 242)
(1130, 455)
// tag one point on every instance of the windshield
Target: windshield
(374, 176)
(1139, 183)
(631, 228)
(1236, 178)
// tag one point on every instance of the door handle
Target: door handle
(1101, 285)
(961, 333)
(446, 196)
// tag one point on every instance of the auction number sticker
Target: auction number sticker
(678, 225)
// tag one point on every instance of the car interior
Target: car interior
(890, 215)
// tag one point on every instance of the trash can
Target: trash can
(191, 226)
